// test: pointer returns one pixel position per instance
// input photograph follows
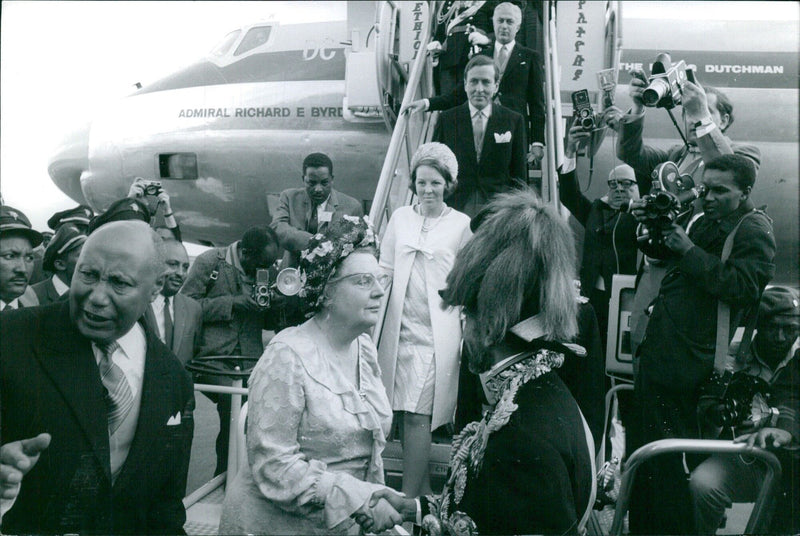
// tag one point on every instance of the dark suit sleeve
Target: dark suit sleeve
(445, 102)
(166, 514)
(437, 131)
(570, 195)
(519, 151)
(535, 97)
(632, 150)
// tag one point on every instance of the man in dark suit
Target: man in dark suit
(177, 317)
(521, 81)
(17, 241)
(487, 139)
(60, 259)
(115, 401)
(303, 212)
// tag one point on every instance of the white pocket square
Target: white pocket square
(505, 137)
(175, 420)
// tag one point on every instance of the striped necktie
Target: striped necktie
(119, 398)
(477, 132)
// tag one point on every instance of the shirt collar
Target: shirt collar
(487, 110)
(509, 46)
(132, 342)
(14, 303)
(59, 285)
(232, 258)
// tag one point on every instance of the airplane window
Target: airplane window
(226, 44)
(255, 37)
(178, 166)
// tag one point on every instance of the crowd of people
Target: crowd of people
(492, 329)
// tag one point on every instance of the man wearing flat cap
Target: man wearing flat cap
(78, 217)
(17, 241)
(60, 259)
(774, 358)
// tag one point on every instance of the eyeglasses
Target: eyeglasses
(365, 281)
(622, 185)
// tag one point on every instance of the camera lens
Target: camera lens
(587, 123)
(152, 189)
(655, 91)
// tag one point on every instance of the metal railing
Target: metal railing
(410, 130)
(758, 518)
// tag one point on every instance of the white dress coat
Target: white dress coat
(398, 249)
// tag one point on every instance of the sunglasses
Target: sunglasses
(622, 185)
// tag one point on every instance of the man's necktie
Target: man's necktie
(119, 399)
(502, 59)
(168, 328)
(313, 222)
(477, 132)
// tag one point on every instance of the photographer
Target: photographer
(609, 243)
(677, 353)
(774, 358)
(222, 280)
(707, 115)
(144, 190)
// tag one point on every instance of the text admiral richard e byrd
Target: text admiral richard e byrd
(274, 111)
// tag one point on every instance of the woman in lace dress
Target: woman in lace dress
(526, 466)
(318, 414)
(419, 348)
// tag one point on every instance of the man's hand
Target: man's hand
(636, 89)
(677, 240)
(611, 117)
(694, 101)
(16, 459)
(406, 507)
(478, 38)
(766, 437)
(137, 189)
(163, 197)
(535, 153)
(245, 303)
(577, 137)
(420, 105)
(378, 517)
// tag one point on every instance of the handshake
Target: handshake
(385, 509)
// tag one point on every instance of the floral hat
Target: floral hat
(326, 250)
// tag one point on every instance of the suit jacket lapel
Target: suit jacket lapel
(179, 326)
(67, 358)
(491, 126)
(466, 119)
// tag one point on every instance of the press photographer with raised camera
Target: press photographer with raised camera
(707, 115)
(724, 262)
(152, 193)
(609, 242)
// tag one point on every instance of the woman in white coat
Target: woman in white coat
(420, 341)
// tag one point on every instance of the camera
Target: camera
(261, 290)
(151, 187)
(583, 110)
(287, 283)
(670, 197)
(665, 87)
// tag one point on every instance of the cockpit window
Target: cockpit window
(254, 38)
(226, 44)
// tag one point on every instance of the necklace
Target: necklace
(429, 223)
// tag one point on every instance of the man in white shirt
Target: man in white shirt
(60, 258)
(114, 400)
(17, 241)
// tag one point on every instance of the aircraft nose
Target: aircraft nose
(69, 161)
